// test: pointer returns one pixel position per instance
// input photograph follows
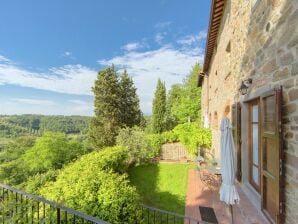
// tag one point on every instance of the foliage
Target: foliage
(161, 185)
(116, 105)
(12, 168)
(17, 125)
(134, 140)
(159, 108)
(104, 126)
(110, 159)
(34, 183)
(192, 136)
(131, 114)
(53, 150)
(184, 101)
(141, 147)
(84, 186)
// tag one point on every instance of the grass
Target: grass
(162, 185)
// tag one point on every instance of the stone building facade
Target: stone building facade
(257, 40)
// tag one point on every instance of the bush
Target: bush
(100, 193)
(53, 150)
(34, 183)
(192, 136)
(109, 159)
(141, 147)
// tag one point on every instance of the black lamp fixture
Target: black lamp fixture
(244, 86)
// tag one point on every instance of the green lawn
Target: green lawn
(162, 185)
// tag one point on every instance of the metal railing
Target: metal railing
(20, 207)
(152, 215)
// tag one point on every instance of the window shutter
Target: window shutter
(236, 122)
(272, 155)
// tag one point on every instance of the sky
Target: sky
(51, 50)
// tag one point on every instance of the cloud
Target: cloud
(68, 54)
(168, 63)
(192, 39)
(79, 102)
(71, 79)
(162, 25)
(132, 46)
(159, 37)
(30, 101)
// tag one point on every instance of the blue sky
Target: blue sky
(50, 51)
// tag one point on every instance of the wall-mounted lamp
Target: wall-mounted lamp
(203, 74)
(244, 86)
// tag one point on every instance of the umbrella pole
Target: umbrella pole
(231, 209)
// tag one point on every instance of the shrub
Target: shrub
(141, 147)
(100, 193)
(154, 143)
(192, 136)
(37, 181)
(134, 140)
(53, 150)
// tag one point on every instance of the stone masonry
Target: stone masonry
(258, 39)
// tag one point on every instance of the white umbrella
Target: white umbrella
(206, 121)
(228, 192)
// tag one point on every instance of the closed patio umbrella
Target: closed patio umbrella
(228, 192)
(206, 121)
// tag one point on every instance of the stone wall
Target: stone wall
(174, 151)
(258, 39)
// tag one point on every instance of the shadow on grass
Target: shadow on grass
(148, 178)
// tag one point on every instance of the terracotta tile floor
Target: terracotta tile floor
(199, 195)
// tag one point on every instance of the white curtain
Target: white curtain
(228, 192)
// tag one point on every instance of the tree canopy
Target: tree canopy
(116, 105)
(159, 108)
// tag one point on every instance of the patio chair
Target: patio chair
(211, 181)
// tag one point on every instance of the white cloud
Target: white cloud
(79, 102)
(167, 63)
(192, 39)
(132, 46)
(162, 25)
(33, 101)
(71, 79)
(68, 54)
(159, 37)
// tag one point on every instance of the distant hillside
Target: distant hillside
(17, 125)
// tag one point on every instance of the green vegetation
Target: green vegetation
(113, 99)
(26, 156)
(93, 184)
(19, 125)
(110, 172)
(162, 185)
(184, 101)
(159, 108)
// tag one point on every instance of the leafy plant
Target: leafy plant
(91, 186)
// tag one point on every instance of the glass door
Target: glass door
(254, 144)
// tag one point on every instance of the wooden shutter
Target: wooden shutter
(272, 155)
(236, 122)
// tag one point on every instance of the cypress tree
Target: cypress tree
(104, 126)
(131, 114)
(159, 108)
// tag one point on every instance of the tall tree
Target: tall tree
(104, 126)
(187, 106)
(159, 108)
(174, 96)
(131, 114)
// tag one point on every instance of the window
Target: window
(254, 144)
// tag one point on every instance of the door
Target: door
(272, 156)
(236, 123)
